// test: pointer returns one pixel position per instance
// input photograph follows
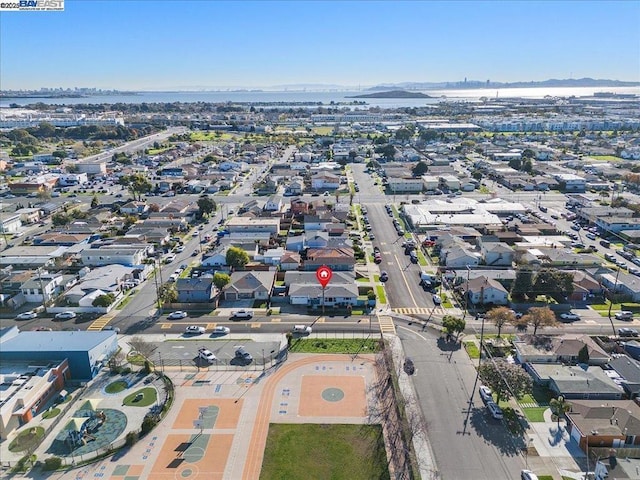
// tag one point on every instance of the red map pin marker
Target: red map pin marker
(324, 274)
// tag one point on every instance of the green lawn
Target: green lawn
(51, 413)
(116, 387)
(334, 345)
(607, 158)
(534, 414)
(380, 292)
(472, 349)
(149, 397)
(28, 437)
(336, 452)
(422, 261)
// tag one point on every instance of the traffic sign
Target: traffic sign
(324, 274)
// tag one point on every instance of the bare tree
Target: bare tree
(142, 347)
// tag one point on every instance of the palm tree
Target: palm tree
(559, 407)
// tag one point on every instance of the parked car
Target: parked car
(27, 315)
(384, 276)
(569, 316)
(528, 475)
(220, 330)
(627, 332)
(436, 299)
(485, 394)
(242, 314)
(495, 410)
(65, 315)
(194, 330)
(409, 367)
(243, 355)
(177, 315)
(206, 354)
(111, 328)
(624, 315)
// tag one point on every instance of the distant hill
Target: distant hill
(392, 94)
(473, 84)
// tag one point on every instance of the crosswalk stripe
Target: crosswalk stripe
(321, 320)
(276, 320)
(211, 326)
(256, 325)
(165, 326)
(386, 324)
(413, 310)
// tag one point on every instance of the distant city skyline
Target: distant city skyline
(190, 45)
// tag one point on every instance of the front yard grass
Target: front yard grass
(26, 439)
(334, 345)
(349, 452)
(534, 414)
(380, 292)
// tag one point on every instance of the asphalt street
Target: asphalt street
(466, 441)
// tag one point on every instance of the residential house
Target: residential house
(296, 243)
(303, 289)
(338, 259)
(195, 290)
(627, 372)
(274, 204)
(325, 181)
(622, 283)
(486, 291)
(575, 382)
(584, 286)
(101, 280)
(299, 206)
(556, 349)
(246, 285)
(29, 215)
(134, 208)
(460, 258)
(295, 187)
(61, 239)
(246, 225)
(271, 256)
(497, 254)
(315, 222)
(290, 261)
(405, 184)
(132, 255)
(218, 258)
(611, 424)
(48, 283)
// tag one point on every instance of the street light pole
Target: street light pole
(615, 287)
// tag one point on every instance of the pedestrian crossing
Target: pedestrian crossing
(413, 310)
(99, 324)
(386, 324)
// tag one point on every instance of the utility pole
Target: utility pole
(44, 297)
(615, 287)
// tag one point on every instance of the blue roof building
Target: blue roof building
(86, 352)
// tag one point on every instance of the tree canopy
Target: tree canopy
(500, 317)
(420, 168)
(137, 184)
(505, 379)
(236, 257)
(554, 283)
(540, 317)
(453, 325)
(206, 206)
(221, 280)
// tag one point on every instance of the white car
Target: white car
(437, 300)
(221, 330)
(194, 330)
(485, 394)
(243, 313)
(528, 475)
(206, 354)
(27, 315)
(179, 249)
(303, 329)
(177, 315)
(569, 316)
(65, 315)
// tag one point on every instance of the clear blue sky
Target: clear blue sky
(189, 44)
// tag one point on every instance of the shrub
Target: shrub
(131, 438)
(149, 422)
(147, 367)
(52, 463)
